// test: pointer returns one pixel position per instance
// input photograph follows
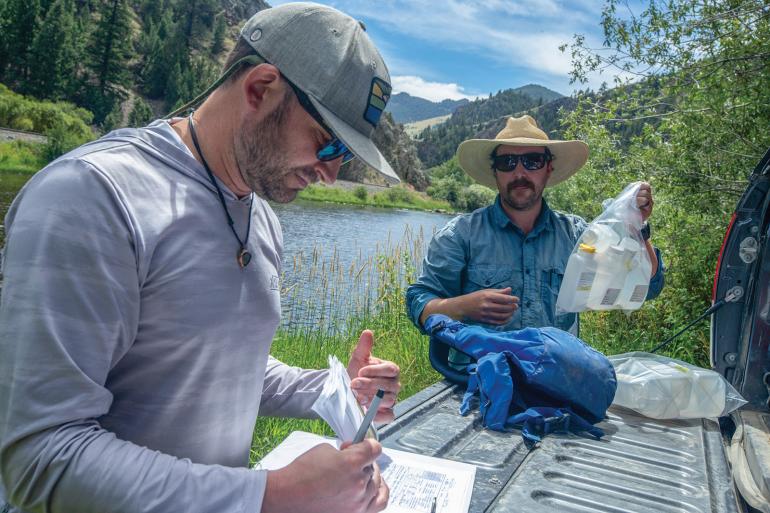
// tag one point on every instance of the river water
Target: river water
(335, 254)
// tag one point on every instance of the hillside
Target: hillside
(406, 108)
(128, 62)
(414, 128)
(438, 143)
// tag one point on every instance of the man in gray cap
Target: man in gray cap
(141, 293)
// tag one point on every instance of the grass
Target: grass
(19, 160)
(369, 294)
(393, 197)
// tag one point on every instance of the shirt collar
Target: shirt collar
(543, 221)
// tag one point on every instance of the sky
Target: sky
(438, 49)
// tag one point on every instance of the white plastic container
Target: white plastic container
(600, 236)
(610, 279)
(637, 282)
(578, 280)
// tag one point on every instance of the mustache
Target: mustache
(521, 182)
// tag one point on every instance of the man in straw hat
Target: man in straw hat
(501, 266)
(141, 293)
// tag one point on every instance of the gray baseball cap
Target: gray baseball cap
(328, 55)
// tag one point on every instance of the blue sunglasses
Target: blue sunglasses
(335, 148)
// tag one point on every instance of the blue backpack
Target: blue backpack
(543, 379)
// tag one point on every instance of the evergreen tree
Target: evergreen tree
(197, 20)
(141, 113)
(54, 53)
(20, 23)
(161, 52)
(220, 32)
(111, 51)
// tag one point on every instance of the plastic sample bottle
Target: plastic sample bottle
(638, 279)
(600, 236)
(610, 278)
(578, 280)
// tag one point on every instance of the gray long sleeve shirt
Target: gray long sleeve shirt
(133, 348)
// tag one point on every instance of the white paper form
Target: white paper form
(414, 480)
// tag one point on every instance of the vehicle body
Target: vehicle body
(641, 464)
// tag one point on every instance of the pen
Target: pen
(433, 506)
(369, 417)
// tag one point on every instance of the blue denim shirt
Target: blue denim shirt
(485, 250)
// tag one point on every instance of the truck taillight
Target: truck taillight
(721, 254)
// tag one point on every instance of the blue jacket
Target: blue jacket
(541, 378)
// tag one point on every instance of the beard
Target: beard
(516, 200)
(260, 153)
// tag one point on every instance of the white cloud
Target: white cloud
(433, 91)
(522, 33)
(517, 33)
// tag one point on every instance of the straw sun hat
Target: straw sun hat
(475, 155)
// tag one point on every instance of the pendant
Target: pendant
(244, 257)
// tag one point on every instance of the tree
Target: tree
(111, 50)
(55, 53)
(141, 113)
(220, 32)
(19, 23)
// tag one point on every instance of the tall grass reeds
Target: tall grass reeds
(327, 300)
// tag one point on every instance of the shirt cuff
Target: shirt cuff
(659, 279)
(254, 491)
(416, 301)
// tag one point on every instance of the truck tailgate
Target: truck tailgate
(641, 465)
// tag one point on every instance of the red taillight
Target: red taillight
(721, 254)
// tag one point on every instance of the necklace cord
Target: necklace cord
(230, 222)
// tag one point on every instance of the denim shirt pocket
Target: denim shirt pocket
(550, 284)
(487, 277)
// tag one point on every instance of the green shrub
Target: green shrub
(360, 193)
(477, 196)
(26, 113)
(399, 195)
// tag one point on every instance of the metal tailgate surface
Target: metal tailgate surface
(641, 464)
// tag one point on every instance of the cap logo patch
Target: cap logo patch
(379, 94)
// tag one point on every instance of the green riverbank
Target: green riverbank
(392, 197)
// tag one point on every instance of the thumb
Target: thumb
(363, 350)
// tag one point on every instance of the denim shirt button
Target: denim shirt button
(528, 303)
(527, 271)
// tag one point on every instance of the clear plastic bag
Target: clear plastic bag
(664, 388)
(609, 268)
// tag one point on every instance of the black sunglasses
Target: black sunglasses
(531, 161)
(335, 148)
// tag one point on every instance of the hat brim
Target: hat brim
(359, 144)
(474, 156)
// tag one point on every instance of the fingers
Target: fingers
(384, 416)
(363, 350)
(501, 299)
(383, 369)
(644, 196)
(363, 454)
(366, 388)
(380, 500)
